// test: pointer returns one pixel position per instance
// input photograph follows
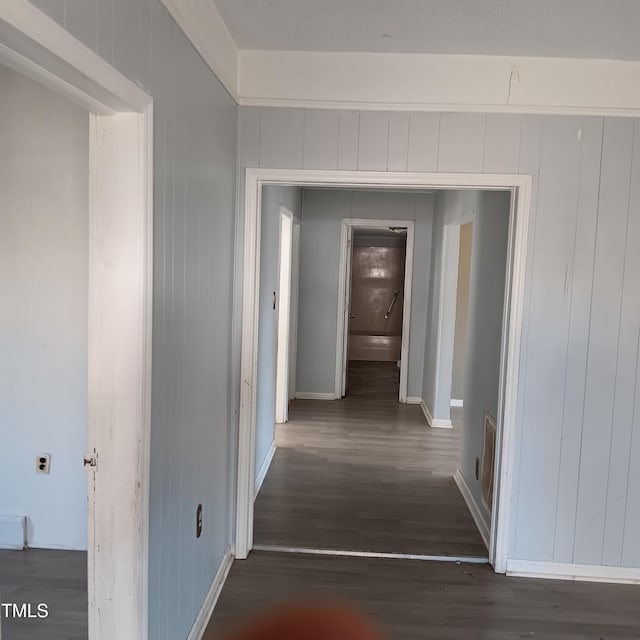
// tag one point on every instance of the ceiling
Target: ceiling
(606, 29)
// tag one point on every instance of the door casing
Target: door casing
(344, 296)
(248, 246)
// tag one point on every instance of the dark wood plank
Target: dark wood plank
(55, 578)
(365, 474)
(414, 600)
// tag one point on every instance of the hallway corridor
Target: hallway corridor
(365, 474)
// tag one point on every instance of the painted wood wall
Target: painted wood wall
(194, 203)
(578, 447)
(44, 301)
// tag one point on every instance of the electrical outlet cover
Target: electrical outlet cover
(43, 463)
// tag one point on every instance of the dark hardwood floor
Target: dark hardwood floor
(55, 578)
(370, 379)
(365, 474)
(416, 600)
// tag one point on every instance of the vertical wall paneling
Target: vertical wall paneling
(602, 359)
(106, 29)
(502, 143)
(630, 556)
(398, 141)
(543, 396)
(348, 134)
(282, 138)
(625, 380)
(373, 141)
(249, 137)
(461, 147)
(424, 139)
(321, 132)
(581, 278)
(82, 20)
(529, 164)
(126, 52)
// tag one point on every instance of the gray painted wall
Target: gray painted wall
(44, 243)
(322, 214)
(272, 198)
(577, 478)
(195, 143)
(486, 304)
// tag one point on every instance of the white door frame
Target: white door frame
(344, 297)
(120, 306)
(520, 187)
(284, 315)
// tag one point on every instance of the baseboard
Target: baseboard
(457, 403)
(568, 571)
(264, 469)
(479, 515)
(414, 400)
(13, 532)
(311, 395)
(202, 620)
(432, 422)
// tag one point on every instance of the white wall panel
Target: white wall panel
(321, 133)
(543, 395)
(281, 138)
(348, 134)
(626, 372)
(424, 139)
(398, 141)
(604, 331)
(631, 531)
(373, 141)
(581, 276)
(502, 143)
(461, 146)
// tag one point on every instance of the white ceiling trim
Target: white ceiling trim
(424, 82)
(202, 24)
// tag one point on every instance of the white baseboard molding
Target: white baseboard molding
(201, 622)
(414, 400)
(312, 395)
(264, 469)
(13, 532)
(433, 423)
(56, 547)
(478, 513)
(568, 571)
(456, 402)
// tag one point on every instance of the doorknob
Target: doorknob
(351, 316)
(90, 462)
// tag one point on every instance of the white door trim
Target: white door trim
(346, 234)
(284, 314)
(520, 186)
(120, 306)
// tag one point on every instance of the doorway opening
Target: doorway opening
(372, 353)
(518, 192)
